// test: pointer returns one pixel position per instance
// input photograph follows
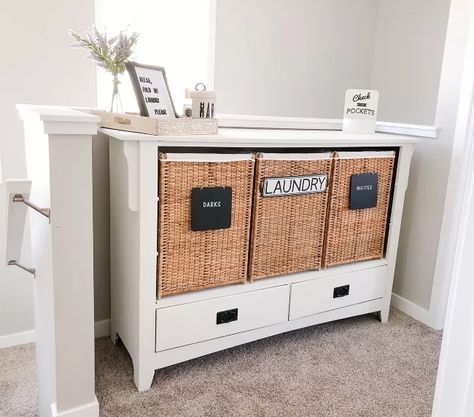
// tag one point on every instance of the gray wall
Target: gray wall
(38, 67)
(292, 58)
(297, 58)
(410, 40)
(101, 200)
(408, 53)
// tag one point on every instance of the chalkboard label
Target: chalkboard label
(282, 186)
(211, 208)
(364, 189)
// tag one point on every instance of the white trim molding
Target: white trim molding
(101, 329)
(16, 339)
(411, 309)
(456, 91)
(58, 144)
(454, 395)
(455, 387)
(87, 410)
(306, 123)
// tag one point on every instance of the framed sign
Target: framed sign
(151, 89)
(284, 186)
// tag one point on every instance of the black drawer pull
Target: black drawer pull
(227, 316)
(341, 291)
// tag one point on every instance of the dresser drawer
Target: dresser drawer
(319, 295)
(203, 320)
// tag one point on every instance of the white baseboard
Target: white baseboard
(101, 329)
(411, 309)
(17, 339)
(87, 410)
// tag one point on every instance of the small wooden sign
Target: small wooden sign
(364, 191)
(360, 111)
(211, 208)
(285, 186)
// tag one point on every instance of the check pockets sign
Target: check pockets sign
(285, 186)
(360, 111)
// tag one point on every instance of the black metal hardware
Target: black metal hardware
(227, 316)
(341, 291)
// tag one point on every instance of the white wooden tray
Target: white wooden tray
(176, 127)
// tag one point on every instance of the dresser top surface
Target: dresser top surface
(238, 137)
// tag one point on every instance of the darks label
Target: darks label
(211, 208)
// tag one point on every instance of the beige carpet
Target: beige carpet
(355, 367)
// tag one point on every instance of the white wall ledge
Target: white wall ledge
(67, 120)
(304, 123)
(60, 120)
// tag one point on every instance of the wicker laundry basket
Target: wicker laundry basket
(194, 260)
(357, 234)
(288, 230)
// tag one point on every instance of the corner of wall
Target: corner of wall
(413, 310)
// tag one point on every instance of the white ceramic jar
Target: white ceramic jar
(203, 102)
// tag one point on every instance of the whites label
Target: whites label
(309, 184)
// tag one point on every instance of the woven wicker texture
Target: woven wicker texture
(287, 232)
(193, 260)
(357, 235)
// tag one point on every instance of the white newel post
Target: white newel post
(59, 164)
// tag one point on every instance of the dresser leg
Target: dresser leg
(143, 378)
(383, 315)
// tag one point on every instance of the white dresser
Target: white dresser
(162, 332)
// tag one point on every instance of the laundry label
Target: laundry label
(284, 186)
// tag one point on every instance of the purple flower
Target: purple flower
(110, 54)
